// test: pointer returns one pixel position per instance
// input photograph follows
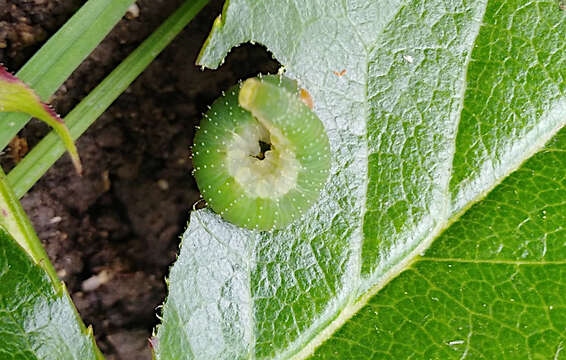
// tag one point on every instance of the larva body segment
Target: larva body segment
(261, 156)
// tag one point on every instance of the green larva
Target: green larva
(261, 156)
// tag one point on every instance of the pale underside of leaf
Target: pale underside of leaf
(439, 103)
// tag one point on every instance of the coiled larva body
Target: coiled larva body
(261, 156)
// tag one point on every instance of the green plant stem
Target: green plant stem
(14, 219)
(44, 154)
(62, 54)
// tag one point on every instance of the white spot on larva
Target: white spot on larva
(408, 58)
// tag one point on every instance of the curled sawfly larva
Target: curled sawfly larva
(261, 156)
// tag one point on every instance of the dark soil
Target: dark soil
(113, 233)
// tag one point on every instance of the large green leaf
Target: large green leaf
(439, 103)
(37, 321)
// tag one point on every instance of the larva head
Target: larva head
(261, 156)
